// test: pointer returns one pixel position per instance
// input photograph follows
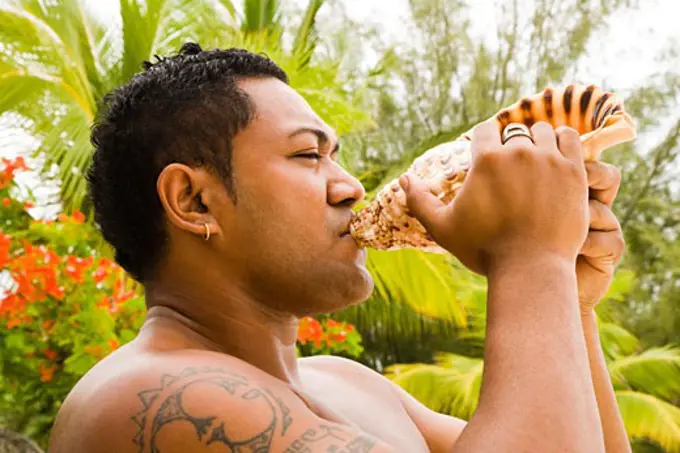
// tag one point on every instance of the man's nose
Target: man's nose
(345, 189)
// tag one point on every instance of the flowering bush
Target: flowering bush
(328, 337)
(64, 306)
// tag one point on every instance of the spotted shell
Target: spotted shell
(598, 116)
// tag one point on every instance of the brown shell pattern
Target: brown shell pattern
(598, 116)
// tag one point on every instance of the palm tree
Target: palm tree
(58, 59)
(646, 383)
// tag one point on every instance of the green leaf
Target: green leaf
(452, 387)
(655, 371)
(647, 417)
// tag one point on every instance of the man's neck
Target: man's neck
(229, 322)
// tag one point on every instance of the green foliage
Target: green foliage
(66, 308)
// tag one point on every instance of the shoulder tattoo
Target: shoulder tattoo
(173, 403)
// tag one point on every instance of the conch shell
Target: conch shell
(386, 224)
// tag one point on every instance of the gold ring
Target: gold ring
(207, 231)
(516, 130)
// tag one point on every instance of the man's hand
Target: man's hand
(604, 245)
(521, 201)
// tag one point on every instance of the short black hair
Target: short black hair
(185, 108)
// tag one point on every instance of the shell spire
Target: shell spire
(598, 116)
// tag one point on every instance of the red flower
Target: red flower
(5, 245)
(7, 174)
(310, 329)
(78, 216)
(50, 354)
(340, 337)
(46, 373)
(75, 266)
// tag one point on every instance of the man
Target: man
(218, 186)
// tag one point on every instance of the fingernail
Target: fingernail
(403, 180)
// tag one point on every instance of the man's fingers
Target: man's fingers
(544, 137)
(601, 217)
(485, 137)
(604, 245)
(421, 203)
(569, 144)
(604, 181)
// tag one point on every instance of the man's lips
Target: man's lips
(346, 231)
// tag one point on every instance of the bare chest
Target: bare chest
(372, 408)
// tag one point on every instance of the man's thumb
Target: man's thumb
(421, 202)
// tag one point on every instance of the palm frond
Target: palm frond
(19, 87)
(259, 15)
(451, 387)
(140, 22)
(67, 145)
(648, 417)
(616, 341)
(422, 280)
(655, 371)
(305, 40)
(33, 47)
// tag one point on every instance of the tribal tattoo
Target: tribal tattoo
(174, 403)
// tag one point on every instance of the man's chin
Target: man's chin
(351, 291)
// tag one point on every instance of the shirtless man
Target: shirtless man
(219, 188)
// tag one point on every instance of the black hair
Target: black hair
(185, 108)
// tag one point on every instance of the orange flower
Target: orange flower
(46, 373)
(20, 163)
(100, 274)
(75, 266)
(7, 174)
(5, 245)
(50, 354)
(28, 205)
(6, 202)
(113, 343)
(310, 329)
(340, 337)
(78, 216)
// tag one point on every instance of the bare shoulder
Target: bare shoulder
(195, 401)
(341, 365)
(440, 431)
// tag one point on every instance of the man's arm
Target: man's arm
(520, 219)
(537, 393)
(615, 436)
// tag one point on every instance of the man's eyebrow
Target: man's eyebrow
(321, 135)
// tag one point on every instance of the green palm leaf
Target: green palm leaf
(647, 417)
(451, 387)
(424, 281)
(655, 371)
(616, 341)
(260, 15)
(305, 40)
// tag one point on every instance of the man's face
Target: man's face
(285, 233)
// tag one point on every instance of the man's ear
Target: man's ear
(185, 194)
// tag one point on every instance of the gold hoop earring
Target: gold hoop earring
(207, 231)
